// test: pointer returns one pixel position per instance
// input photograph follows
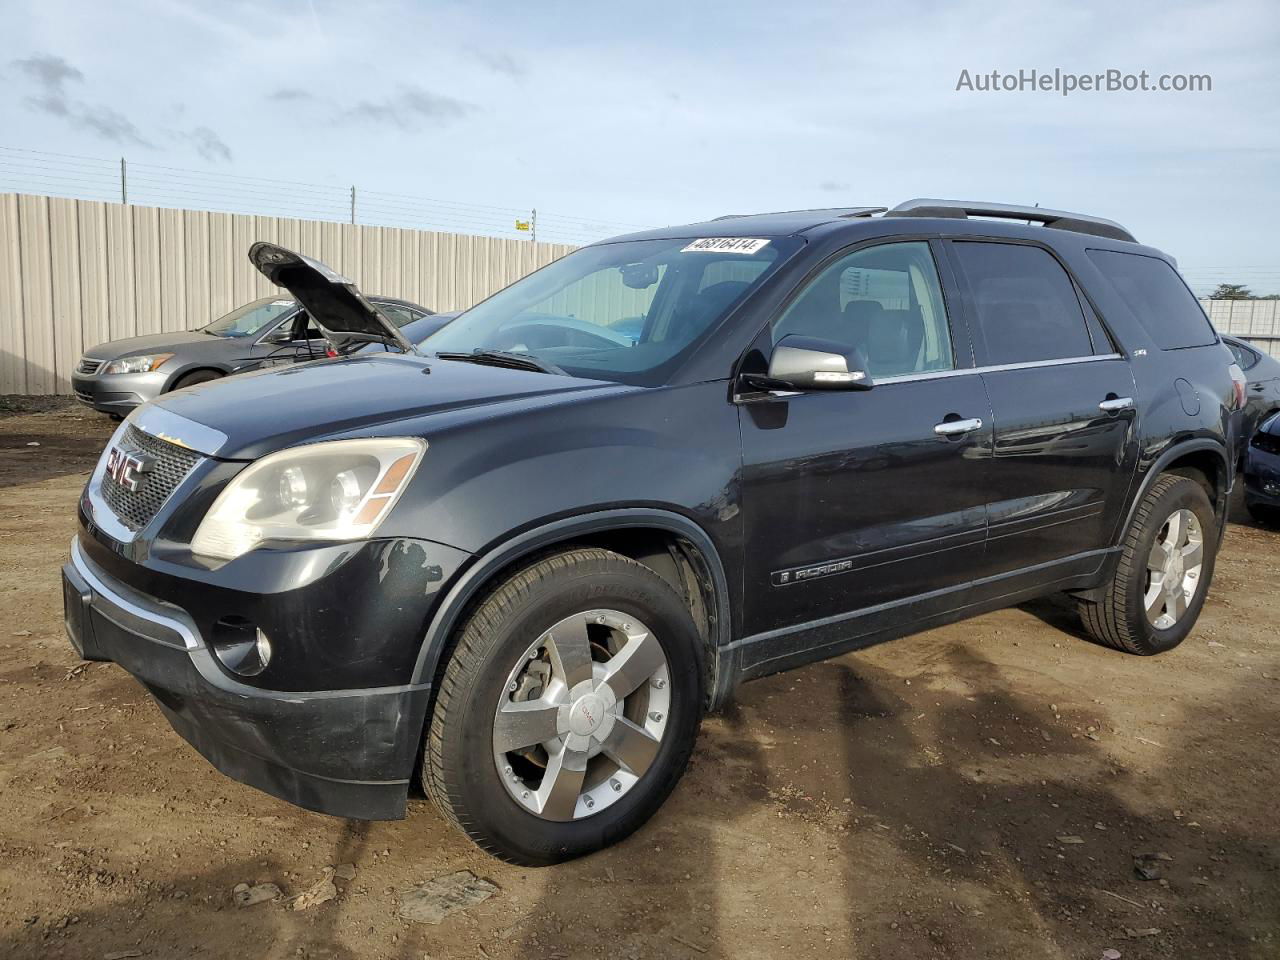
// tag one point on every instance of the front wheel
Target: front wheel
(568, 709)
(1165, 566)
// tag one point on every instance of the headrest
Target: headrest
(857, 318)
(893, 341)
(721, 294)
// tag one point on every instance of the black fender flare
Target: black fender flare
(1167, 457)
(445, 619)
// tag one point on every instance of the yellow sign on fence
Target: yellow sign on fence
(522, 225)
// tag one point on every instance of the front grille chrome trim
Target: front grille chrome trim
(117, 511)
(178, 430)
(169, 466)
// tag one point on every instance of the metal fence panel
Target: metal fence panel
(13, 345)
(1257, 321)
(95, 300)
(64, 288)
(77, 273)
(37, 318)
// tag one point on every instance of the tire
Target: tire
(194, 377)
(602, 592)
(1264, 514)
(1120, 619)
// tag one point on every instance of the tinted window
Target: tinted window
(1245, 357)
(397, 314)
(304, 328)
(886, 302)
(1025, 304)
(1158, 298)
(250, 319)
(628, 311)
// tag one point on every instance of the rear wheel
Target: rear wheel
(196, 376)
(568, 710)
(1163, 574)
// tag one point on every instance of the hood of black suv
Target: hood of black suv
(334, 302)
(258, 413)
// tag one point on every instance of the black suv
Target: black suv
(522, 563)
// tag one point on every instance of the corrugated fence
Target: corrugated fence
(75, 273)
(1257, 321)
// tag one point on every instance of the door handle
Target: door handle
(954, 428)
(1116, 404)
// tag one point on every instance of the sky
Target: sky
(608, 117)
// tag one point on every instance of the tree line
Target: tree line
(1238, 291)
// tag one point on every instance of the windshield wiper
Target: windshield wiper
(504, 358)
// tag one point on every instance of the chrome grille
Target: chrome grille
(170, 466)
(89, 366)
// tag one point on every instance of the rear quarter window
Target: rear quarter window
(1152, 289)
(1245, 357)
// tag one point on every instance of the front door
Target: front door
(858, 501)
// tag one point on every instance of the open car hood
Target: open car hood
(335, 303)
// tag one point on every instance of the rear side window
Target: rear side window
(1158, 298)
(1025, 305)
(1245, 357)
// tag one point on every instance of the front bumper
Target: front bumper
(118, 393)
(349, 753)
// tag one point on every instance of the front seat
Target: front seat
(893, 342)
(856, 322)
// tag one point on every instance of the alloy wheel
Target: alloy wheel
(1173, 569)
(582, 715)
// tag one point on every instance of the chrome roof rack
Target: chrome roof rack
(1058, 219)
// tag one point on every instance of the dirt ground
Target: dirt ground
(978, 791)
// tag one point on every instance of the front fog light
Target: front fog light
(241, 646)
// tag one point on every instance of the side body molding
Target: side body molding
(447, 617)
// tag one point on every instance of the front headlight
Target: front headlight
(142, 364)
(338, 490)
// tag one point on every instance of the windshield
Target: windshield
(252, 317)
(618, 311)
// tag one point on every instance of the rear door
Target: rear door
(1062, 400)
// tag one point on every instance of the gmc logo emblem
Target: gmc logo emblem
(127, 470)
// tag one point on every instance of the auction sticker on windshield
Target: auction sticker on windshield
(725, 245)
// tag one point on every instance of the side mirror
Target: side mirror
(283, 335)
(807, 363)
